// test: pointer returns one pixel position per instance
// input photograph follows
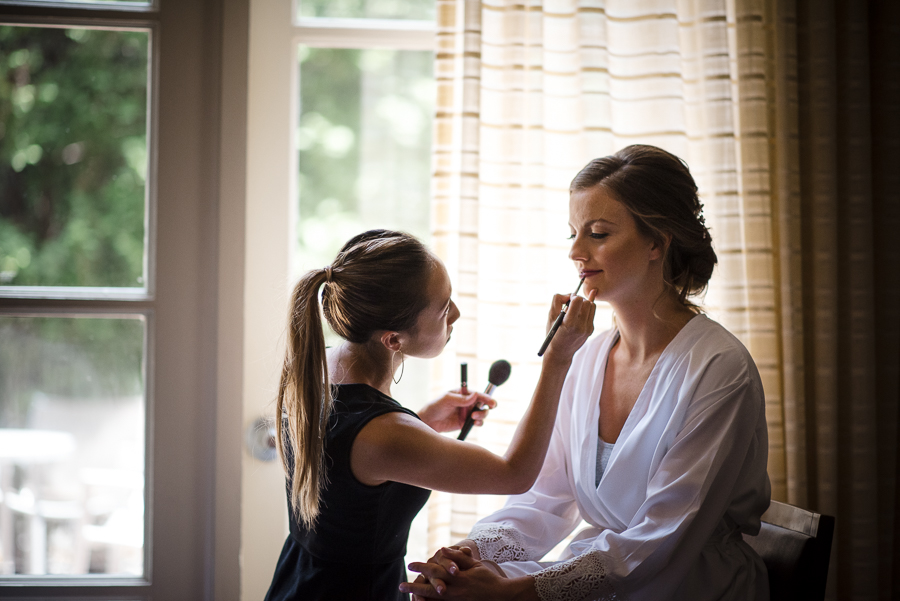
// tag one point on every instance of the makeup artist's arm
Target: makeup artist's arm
(397, 447)
(448, 413)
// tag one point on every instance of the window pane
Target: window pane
(372, 9)
(72, 415)
(73, 157)
(364, 144)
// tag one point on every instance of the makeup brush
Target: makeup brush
(558, 322)
(498, 375)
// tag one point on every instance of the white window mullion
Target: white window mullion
(365, 33)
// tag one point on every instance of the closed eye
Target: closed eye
(596, 236)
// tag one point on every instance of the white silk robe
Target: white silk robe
(686, 477)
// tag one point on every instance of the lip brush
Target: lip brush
(558, 322)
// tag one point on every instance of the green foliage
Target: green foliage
(329, 117)
(364, 141)
(73, 119)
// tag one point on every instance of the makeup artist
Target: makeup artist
(660, 444)
(360, 466)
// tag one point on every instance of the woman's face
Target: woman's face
(435, 323)
(615, 259)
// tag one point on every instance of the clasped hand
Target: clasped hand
(453, 573)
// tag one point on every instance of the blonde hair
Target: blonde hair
(377, 282)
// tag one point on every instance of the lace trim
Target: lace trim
(581, 578)
(499, 543)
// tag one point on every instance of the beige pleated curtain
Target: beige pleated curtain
(787, 113)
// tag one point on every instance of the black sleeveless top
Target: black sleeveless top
(358, 546)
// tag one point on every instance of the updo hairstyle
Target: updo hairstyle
(658, 190)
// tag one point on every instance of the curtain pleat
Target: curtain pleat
(884, 20)
(819, 170)
(857, 413)
(785, 176)
(751, 240)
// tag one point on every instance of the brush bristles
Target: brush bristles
(499, 372)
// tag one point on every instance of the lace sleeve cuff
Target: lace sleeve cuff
(499, 543)
(581, 578)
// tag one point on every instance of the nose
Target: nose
(577, 252)
(454, 313)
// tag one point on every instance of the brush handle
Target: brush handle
(464, 377)
(553, 329)
(558, 321)
(467, 425)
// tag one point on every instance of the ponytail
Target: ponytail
(304, 400)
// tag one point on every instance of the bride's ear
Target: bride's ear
(660, 247)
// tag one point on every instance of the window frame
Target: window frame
(147, 6)
(395, 34)
(83, 301)
(196, 144)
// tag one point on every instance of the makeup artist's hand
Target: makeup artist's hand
(577, 326)
(448, 413)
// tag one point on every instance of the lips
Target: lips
(586, 273)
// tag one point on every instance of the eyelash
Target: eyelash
(593, 235)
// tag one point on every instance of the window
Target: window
(363, 145)
(364, 117)
(73, 390)
(107, 299)
(73, 162)
(74, 207)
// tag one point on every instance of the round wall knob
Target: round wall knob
(261, 441)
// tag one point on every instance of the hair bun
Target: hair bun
(701, 265)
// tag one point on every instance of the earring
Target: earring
(397, 381)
